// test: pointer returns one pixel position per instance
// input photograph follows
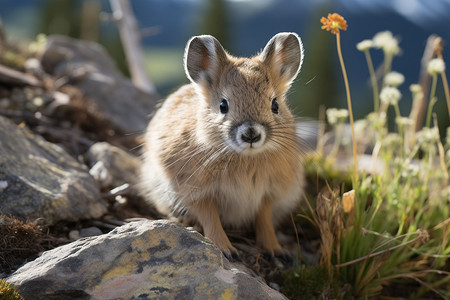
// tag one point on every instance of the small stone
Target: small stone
(33, 65)
(112, 166)
(101, 174)
(5, 103)
(90, 231)
(275, 286)
(74, 235)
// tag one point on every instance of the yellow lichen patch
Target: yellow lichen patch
(125, 266)
(228, 294)
(141, 243)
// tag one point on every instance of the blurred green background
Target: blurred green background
(244, 27)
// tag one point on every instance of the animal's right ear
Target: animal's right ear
(203, 58)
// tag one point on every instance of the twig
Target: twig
(420, 105)
(129, 34)
(14, 77)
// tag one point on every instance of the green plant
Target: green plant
(8, 291)
(394, 227)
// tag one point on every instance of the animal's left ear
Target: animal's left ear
(284, 55)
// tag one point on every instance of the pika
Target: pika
(223, 149)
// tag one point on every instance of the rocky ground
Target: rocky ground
(70, 129)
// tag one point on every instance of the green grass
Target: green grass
(395, 231)
(8, 291)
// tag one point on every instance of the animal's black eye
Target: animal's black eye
(275, 106)
(224, 106)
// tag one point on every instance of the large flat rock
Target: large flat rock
(140, 260)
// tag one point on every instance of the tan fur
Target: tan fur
(189, 165)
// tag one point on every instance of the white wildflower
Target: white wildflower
(360, 127)
(411, 170)
(415, 88)
(386, 41)
(390, 95)
(336, 116)
(364, 45)
(427, 136)
(393, 141)
(376, 120)
(436, 66)
(394, 79)
(403, 121)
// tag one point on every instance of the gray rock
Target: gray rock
(112, 166)
(90, 231)
(74, 235)
(140, 260)
(87, 66)
(40, 180)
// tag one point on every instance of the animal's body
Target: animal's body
(223, 149)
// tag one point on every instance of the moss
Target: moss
(310, 283)
(12, 59)
(8, 291)
(19, 242)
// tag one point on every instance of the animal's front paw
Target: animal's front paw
(282, 254)
(231, 254)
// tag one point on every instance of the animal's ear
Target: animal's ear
(284, 55)
(203, 58)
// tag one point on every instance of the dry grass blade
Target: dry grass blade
(422, 238)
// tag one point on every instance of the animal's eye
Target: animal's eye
(224, 106)
(275, 106)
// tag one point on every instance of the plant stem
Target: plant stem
(431, 101)
(397, 110)
(446, 91)
(373, 79)
(387, 63)
(445, 84)
(349, 103)
(337, 140)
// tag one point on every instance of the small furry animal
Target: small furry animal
(223, 149)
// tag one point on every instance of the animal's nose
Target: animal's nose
(251, 136)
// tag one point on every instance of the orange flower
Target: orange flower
(333, 23)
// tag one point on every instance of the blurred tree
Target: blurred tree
(216, 21)
(90, 11)
(316, 84)
(66, 17)
(61, 17)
